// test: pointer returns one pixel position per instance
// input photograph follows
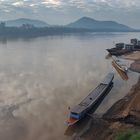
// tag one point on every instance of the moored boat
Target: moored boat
(117, 52)
(122, 48)
(81, 110)
(122, 68)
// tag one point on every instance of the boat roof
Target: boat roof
(94, 94)
(121, 43)
(108, 78)
(129, 44)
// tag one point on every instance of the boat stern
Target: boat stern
(71, 121)
(73, 118)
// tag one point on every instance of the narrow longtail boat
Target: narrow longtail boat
(82, 109)
(121, 68)
(122, 71)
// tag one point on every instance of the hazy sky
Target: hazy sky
(65, 11)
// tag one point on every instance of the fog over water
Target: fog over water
(40, 78)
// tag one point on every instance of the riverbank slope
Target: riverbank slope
(123, 115)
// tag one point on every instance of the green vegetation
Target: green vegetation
(128, 135)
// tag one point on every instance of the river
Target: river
(41, 77)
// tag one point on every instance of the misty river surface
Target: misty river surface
(41, 77)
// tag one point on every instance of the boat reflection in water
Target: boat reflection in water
(122, 70)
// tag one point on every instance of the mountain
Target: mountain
(89, 23)
(21, 21)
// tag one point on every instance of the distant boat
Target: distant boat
(122, 68)
(122, 71)
(117, 52)
(81, 110)
(122, 48)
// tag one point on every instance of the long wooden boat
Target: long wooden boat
(81, 110)
(123, 69)
(117, 52)
(113, 49)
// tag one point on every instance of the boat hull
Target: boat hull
(118, 52)
(82, 109)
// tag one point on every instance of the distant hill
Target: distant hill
(89, 23)
(21, 21)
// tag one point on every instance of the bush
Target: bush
(128, 135)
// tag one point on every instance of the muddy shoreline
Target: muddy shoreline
(123, 115)
(135, 66)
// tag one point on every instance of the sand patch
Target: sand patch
(133, 56)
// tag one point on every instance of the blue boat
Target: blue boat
(81, 110)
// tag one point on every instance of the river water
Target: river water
(41, 77)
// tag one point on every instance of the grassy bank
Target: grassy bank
(131, 134)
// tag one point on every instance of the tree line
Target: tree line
(29, 30)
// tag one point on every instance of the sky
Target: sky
(61, 12)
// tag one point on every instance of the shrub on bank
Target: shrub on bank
(128, 135)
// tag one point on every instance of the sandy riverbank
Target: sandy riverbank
(123, 115)
(133, 56)
(135, 66)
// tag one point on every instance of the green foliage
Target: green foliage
(128, 135)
